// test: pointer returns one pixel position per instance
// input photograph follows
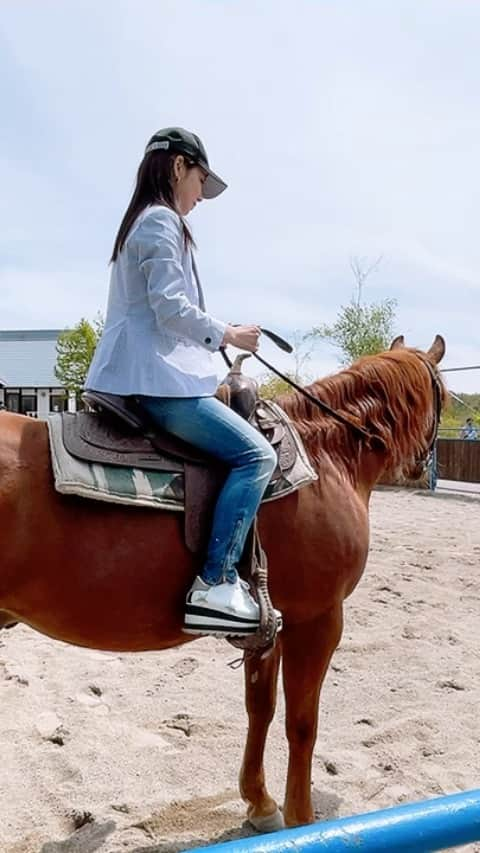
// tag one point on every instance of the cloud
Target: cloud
(342, 129)
(42, 298)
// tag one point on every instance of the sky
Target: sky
(344, 129)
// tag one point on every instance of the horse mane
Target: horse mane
(389, 394)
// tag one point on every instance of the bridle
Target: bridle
(426, 461)
(284, 345)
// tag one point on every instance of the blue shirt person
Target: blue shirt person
(469, 431)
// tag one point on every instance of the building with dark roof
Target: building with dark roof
(28, 384)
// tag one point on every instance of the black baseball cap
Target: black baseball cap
(178, 140)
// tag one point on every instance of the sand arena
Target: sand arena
(140, 753)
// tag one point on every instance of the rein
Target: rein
(319, 403)
(364, 433)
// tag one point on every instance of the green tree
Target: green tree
(75, 349)
(360, 328)
(273, 386)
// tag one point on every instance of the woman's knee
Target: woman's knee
(259, 453)
(267, 456)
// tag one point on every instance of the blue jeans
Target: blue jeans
(208, 424)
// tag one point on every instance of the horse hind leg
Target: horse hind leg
(260, 695)
(307, 650)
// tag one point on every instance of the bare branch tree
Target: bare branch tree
(360, 329)
(361, 270)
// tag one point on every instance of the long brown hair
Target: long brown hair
(154, 186)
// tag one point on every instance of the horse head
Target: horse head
(390, 403)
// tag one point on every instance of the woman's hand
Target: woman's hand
(242, 337)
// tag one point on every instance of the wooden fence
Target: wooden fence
(458, 459)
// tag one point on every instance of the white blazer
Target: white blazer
(158, 339)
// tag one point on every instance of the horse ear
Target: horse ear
(437, 350)
(398, 342)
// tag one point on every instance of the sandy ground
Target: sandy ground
(144, 750)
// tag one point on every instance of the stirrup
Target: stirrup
(264, 638)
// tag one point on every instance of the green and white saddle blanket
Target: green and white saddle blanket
(147, 488)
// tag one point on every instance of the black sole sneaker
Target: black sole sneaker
(203, 620)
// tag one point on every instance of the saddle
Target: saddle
(117, 432)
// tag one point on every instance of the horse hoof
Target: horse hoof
(268, 823)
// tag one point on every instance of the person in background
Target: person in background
(469, 431)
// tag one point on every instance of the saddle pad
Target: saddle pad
(147, 488)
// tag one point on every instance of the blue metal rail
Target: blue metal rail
(414, 828)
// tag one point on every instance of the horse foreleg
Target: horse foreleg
(260, 696)
(307, 649)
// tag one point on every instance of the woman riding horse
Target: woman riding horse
(157, 346)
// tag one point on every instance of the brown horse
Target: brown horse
(115, 578)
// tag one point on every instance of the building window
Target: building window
(12, 399)
(21, 400)
(58, 400)
(28, 403)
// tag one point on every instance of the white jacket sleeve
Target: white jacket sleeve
(159, 241)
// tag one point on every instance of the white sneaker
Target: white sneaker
(227, 609)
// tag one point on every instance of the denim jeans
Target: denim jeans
(208, 424)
